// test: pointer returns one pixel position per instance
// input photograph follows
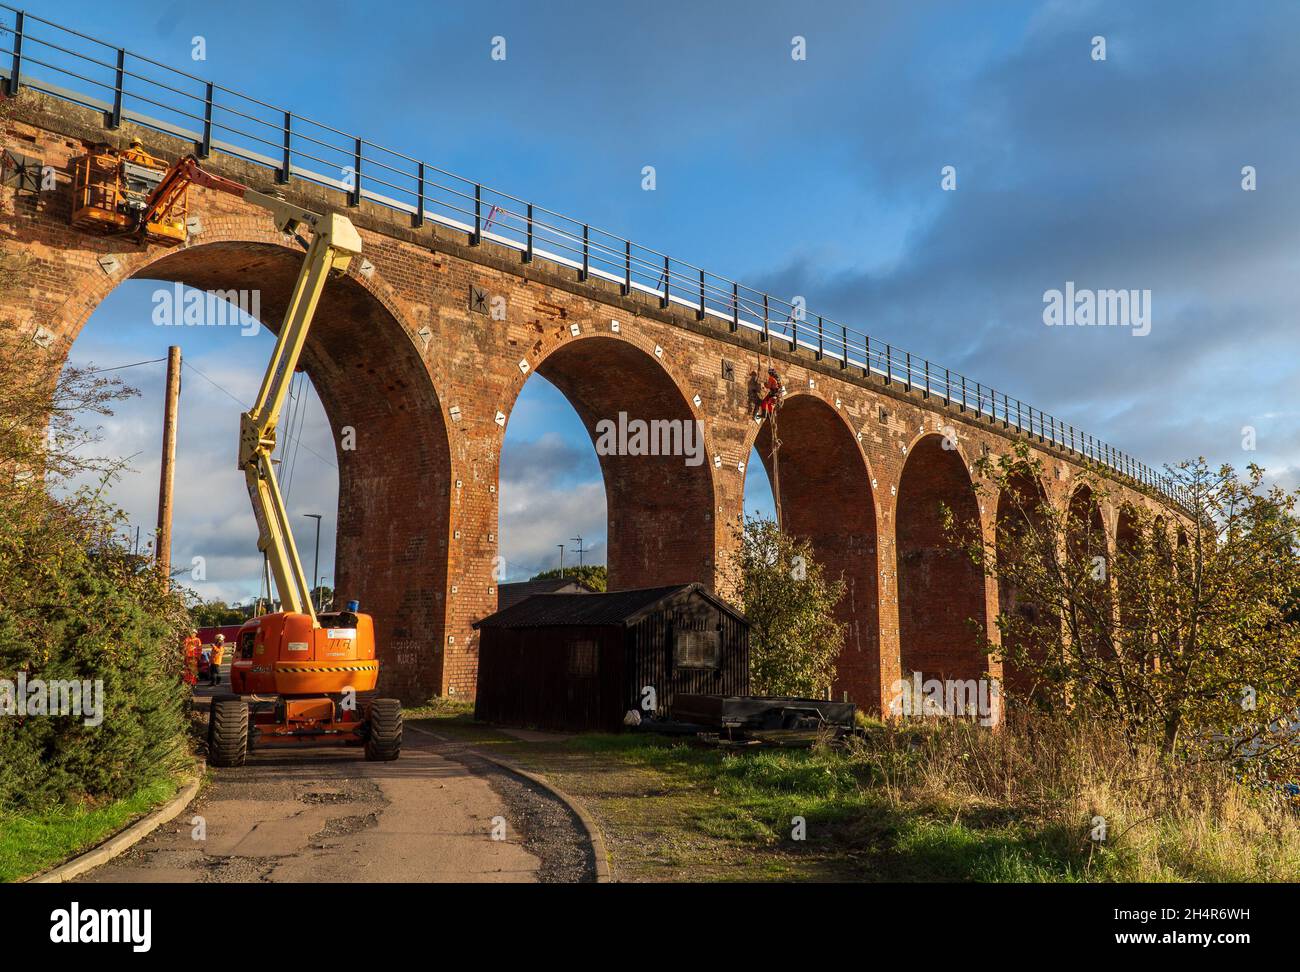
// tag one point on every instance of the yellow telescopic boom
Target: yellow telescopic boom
(334, 243)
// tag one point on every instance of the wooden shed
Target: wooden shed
(581, 661)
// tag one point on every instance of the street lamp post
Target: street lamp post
(315, 566)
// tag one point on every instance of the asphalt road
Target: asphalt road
(324, 814)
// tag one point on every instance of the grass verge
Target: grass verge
(928, 803)
(32, 842)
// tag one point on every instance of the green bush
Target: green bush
(74, 602)
(74, 605)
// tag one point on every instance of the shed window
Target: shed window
(697, 649)
(582, 659)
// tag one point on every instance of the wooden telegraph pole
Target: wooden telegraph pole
(168, 474)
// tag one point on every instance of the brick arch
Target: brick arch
(826, 497)
(955, 450)
(227, 229)
(1164, 539)
(753, 430)
(1085, 533)
(1022, 507)
(940, 589)
(1126, 522)
(1161, 526)
(1127, 531)
(1086, 539)
(661, 526)
(1129, 541)
(654, 356)
(393, 513)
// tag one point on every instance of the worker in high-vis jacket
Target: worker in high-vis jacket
(192, 648)
(214, 662)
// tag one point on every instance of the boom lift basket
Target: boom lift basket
(111, 190)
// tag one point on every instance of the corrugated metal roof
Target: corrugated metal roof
(509, 595)
(616, 607)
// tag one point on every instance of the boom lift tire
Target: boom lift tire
(384, 739)
(228, 731)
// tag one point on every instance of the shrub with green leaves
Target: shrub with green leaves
(75, 604)
(794, 637)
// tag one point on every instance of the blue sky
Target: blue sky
(818, 178)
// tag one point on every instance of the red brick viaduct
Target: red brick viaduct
(399, 355)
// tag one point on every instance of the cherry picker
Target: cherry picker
(299, 676)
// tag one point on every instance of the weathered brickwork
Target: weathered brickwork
(427, 385)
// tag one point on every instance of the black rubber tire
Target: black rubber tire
(384, 730)
(228, 731)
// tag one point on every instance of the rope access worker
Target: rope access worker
(771, 396)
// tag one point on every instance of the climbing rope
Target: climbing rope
(774, 453)
(776, 469)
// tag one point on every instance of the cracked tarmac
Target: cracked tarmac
(324, 814)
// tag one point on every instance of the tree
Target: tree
(41, 435)
(1184, 631)
(76, 606)
(209, 614)
(794, 638)
(593, 575)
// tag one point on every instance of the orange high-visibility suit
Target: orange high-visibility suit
(192, 648)
(772, 393)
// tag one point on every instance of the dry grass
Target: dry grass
(924, 801)
(1117, 812)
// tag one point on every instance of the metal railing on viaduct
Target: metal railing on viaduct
(76, 67)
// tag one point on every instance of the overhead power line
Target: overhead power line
(221, 388)
(134, 364)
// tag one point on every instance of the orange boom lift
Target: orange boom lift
(301, 677)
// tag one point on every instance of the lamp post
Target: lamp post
(315, 566)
